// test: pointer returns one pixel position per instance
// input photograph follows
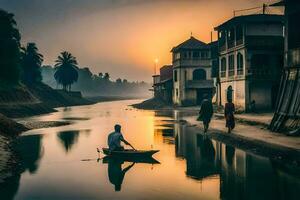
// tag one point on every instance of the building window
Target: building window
(231, 65)
(185, 75)
(204, 54)
(230, 37)
(222, 38)
(176, 92)
(240, 64)
(176, 56)
(185, 55)
(199, 74)
(175, 76)
(223, 67)
(196, 54)
(239, 34)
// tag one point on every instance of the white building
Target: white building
(192, 68)
(250, 60)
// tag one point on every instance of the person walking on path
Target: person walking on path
(206, 113)
(229, 115)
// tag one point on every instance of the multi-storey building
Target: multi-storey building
(250, 60)
(192, 66)
(287, 115)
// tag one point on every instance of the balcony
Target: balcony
(192, 62)
(199, 84)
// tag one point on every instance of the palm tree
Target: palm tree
(66, 70)
(31, 64)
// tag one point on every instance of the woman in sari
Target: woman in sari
(229, 115)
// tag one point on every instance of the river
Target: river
(61, 162)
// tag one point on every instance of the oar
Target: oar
(131, 146)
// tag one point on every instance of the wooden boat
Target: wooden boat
(116, 159)
(129, 153)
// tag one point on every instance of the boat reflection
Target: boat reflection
(116, 173)
(117, 168)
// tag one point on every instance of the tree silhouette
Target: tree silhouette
(9, 48)
(106, 76)
(66, 70)
(31, 64)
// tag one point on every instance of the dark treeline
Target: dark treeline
(23, 64)
(98, 84)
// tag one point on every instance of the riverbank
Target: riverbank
(23, 101)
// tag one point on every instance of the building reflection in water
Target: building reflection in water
(27, 153)
(68, 139)
(241, 175)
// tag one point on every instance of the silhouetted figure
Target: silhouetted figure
(115, 138)
(206, 113)
(253, 106)
(229, 115)
(116, 173)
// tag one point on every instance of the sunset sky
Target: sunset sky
(122, 37)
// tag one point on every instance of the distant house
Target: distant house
(287, 115)
(163, 84)
(156, 85)
(192, 70)
(250, 60)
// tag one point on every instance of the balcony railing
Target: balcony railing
(192, 62)
(223, 74)
(240, 72)
(231, 72)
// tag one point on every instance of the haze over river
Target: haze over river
(61, 162)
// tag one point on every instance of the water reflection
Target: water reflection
(28, 153)
(192, 165)
(68, 139)
(116, 172)
(242, 175)
(30, 150)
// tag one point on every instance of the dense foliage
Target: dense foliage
(9, 48)
(31, 64)
(99, 84)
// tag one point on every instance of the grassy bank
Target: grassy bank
(22, 101)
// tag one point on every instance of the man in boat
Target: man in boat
(115, 138)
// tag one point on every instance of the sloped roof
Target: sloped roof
(190, 44)
(251, 19)
(280, 3)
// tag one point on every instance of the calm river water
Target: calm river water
(191, 166)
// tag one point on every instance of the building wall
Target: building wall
(185, 74)
(264, 29)
(239, 92)
(261, 92)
